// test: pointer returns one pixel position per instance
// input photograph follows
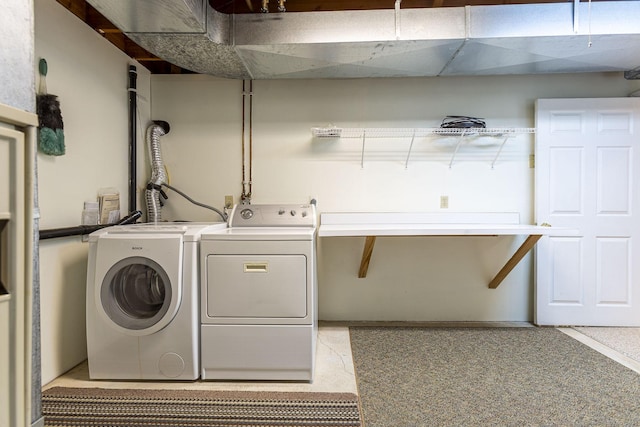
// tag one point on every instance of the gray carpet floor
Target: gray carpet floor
(489, 377)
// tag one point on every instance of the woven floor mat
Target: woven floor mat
(194, 408)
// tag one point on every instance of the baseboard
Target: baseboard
(427, 324)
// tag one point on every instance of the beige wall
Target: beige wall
(90, 77)
(421, 279)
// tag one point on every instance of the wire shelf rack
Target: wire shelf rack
(463, 134)
(337, 132)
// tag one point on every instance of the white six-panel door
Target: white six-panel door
(587, 178)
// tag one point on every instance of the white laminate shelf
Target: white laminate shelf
(503, 134)
(379, 224)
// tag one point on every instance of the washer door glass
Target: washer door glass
(136, 293)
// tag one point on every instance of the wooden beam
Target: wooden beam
(77, 7)
(117, 39)
(529, 243)
(366, 256)
(97, 21)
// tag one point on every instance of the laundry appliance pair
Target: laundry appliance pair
(182, 301)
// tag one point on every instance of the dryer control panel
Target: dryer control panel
(286, 215)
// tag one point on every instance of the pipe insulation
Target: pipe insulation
(154, 191)
(154, 194)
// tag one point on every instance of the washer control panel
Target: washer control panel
(287, 215)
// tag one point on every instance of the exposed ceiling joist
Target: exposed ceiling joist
(89, 15)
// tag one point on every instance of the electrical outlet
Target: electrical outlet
(228, 202)
(444, 202)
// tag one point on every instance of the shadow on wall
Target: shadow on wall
(63, 307)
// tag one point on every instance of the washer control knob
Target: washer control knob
(246, 213)
(281, 212)
(293, 212)
(304, 214)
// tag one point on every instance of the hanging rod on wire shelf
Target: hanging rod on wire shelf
(337, 132)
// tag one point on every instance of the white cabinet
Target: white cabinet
(17, 150)
(4, 360)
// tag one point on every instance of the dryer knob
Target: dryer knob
(293, 213)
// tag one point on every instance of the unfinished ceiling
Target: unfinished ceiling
(388, 39)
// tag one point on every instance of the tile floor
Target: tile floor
(619, 344)
(334, 372)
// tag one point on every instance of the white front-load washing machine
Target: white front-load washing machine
(142, 307)
(259, 295)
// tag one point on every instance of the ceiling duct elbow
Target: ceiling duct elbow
(186, 33)
(211, 52)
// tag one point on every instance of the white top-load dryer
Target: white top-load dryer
(142, 301)
(259, 295)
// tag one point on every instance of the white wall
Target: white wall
(90, 77)
(409, 278)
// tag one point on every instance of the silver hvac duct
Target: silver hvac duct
(565, 37)
(154, 191)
